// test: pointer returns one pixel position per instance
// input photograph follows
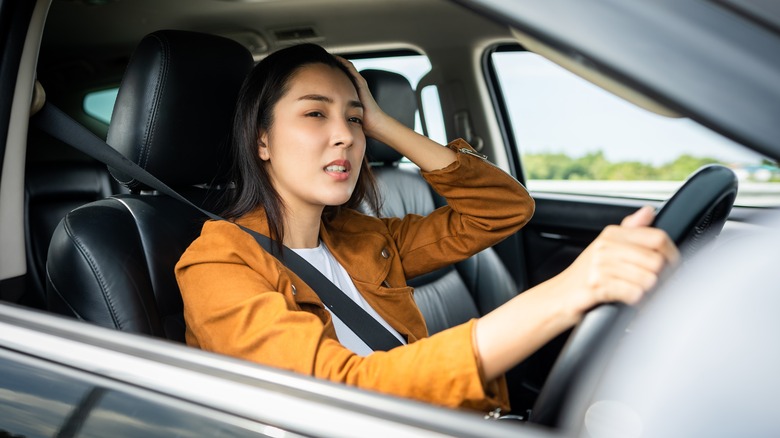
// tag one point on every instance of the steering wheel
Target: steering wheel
(692, 216)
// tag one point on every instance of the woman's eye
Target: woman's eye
(356, 120)
(315, 114)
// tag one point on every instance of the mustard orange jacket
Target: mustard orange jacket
(241, 301)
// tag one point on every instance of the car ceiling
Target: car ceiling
(706, 59)
(86, 44)
(105, 28)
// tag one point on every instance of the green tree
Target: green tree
(631, 171)
(683, 166)
(546, 166)
(595, 166)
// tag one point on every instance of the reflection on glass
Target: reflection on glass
(42, 402)
(35, 402)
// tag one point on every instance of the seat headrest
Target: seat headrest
(175, 106)
(396, 97)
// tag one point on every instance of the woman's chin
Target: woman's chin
(336, 201)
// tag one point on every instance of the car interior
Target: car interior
(172, 74)
(100, 246)
(109, 260)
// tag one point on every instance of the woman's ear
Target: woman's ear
(262, 147)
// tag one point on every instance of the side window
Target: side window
(100, 104)
(413, 67)
(575, 138)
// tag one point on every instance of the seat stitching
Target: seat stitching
(98, 275)
(159, 88)
(59, 294)
(146, 262)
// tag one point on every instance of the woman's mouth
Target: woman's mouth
(339, 169)
(336, 169)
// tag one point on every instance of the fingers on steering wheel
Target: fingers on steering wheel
(640, 218)
(649, 238)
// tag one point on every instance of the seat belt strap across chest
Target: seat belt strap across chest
(56, 123)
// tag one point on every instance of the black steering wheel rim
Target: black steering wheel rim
(692, 216)
(699, 209)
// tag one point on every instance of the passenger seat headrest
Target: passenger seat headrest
(396, 97)
(174, 110)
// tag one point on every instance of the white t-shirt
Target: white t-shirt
(321, 258)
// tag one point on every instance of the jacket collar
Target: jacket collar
(366, 253)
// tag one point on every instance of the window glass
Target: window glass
(35, 402)
(100, 104)
(434, 119)
(413, 68)
(574, 137)
(48, 400)
(127, 415)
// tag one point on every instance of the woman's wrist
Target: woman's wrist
(383, 128)
(567, 299)
(515, 330)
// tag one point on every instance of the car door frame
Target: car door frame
(21, 24)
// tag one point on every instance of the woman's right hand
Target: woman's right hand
(621, 264)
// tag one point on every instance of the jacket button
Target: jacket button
(294, 290)
(385, 253)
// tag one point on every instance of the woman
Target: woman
(299, 143)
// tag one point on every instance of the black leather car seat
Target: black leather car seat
(111, 262)
(454, 294)
(51, 190)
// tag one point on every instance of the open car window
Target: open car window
(576, 138)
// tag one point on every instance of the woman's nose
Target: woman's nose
(342, 134)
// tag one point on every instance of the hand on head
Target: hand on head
(421, 150)
(372, 113)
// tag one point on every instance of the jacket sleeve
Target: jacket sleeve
(484, 206)
(230, 308)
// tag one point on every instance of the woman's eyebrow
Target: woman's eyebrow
(326, 99)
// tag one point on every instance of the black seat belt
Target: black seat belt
(56, 123)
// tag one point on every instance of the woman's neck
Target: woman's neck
(302, 229)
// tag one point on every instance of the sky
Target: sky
(554, 111)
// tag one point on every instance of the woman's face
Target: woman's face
(315, 146)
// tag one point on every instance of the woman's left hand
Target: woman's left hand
(373, 116)
(421, 150)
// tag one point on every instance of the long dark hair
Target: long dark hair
(262, 89)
